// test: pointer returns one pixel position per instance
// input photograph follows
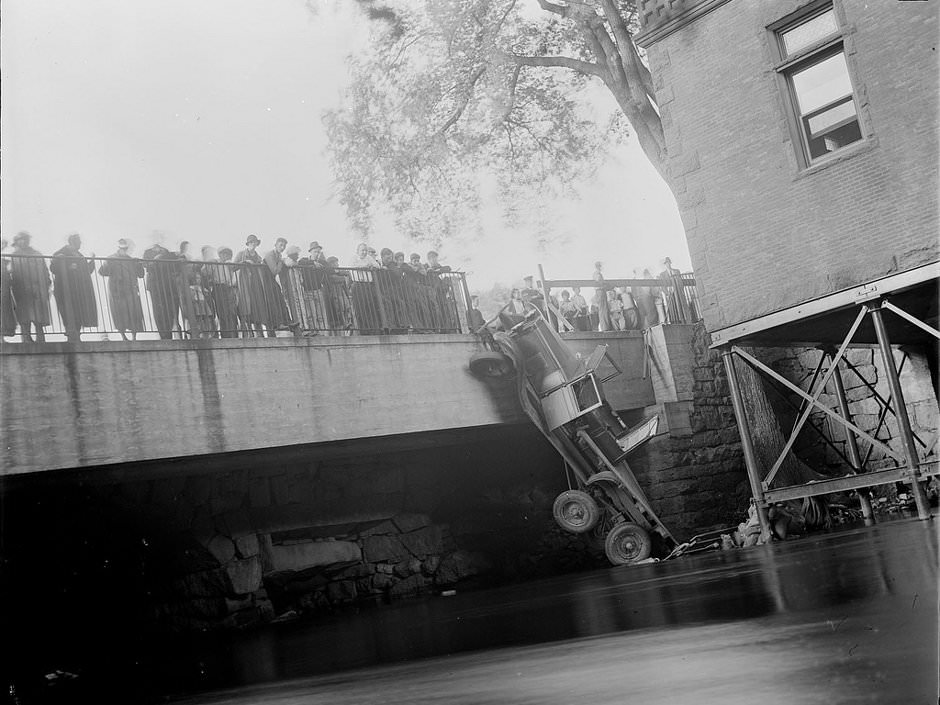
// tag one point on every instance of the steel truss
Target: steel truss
(909, 469)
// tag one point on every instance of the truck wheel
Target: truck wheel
(627, 543)
(491, 364)
(576, 511)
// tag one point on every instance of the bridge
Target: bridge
(79, 405)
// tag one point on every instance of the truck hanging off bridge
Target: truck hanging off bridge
(563, 395)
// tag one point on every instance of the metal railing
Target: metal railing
(66, 297)
(641, 303)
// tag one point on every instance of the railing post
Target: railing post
(466, 299)
(904, 422)
(750, 457)
(851, 443)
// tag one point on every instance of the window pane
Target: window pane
(809, 32)
(841, 135)
(822, 83)
(830, 119)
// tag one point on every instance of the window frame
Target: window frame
(787, 64)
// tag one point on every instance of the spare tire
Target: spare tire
(491, 364)
(576, 511)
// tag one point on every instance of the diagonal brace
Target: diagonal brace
(814, 400)
(910, 319)
(815, 403)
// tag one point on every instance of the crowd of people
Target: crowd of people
(220, 293)
(611, 308)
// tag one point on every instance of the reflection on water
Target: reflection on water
(852, 573)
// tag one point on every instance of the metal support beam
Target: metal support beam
(904, 422)
(851, 444)
(757, 364)
(750, 457)
(910, 319)
(838, 484)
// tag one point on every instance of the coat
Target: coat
(74, 292)
(123, 272)
(29, 278)
(251, 304)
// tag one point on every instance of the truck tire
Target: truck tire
(576, 511)
(491, 364)
(627, 543)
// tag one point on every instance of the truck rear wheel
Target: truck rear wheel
(576, 511)
(627, 543)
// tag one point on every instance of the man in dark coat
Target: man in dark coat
(163, 284)
(123, 272)
(74, 292)
(29, 282)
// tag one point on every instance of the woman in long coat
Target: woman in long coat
(29, 278)
(123, 272)
(74, 292)
(252, 308)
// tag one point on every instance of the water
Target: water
(849, 617)
(839, 618)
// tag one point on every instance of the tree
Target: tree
(464, 99)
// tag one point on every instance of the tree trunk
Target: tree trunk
(766, 434)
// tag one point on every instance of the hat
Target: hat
(252, 237)
(122, 242)
(527, 278)
(314, 246)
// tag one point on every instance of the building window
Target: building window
(818, 83)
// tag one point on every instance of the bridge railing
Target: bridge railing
(670, 298)
(65, 297)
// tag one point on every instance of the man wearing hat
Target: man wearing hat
(531, 295)
(123, 272)
(315, 257)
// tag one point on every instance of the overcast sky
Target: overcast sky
(203, 119)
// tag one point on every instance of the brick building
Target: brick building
(803, 152)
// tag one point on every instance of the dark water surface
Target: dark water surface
(847, 617)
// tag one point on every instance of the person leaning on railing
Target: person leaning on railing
(74, 292)
(30, 282)
(162, 282)
(122, 273)
(219, 277)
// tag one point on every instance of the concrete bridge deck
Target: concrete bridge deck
(72, 405)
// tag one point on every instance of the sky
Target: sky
(204, 120)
